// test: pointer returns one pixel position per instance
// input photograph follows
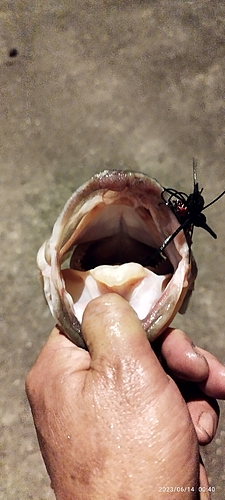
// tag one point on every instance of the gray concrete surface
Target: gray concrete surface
(95, 84)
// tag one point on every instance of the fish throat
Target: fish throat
(124, 233)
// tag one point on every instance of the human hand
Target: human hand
(112, 424)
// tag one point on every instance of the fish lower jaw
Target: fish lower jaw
(142, 288)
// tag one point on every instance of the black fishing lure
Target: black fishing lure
(188, 210)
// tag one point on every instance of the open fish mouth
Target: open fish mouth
(106, 240)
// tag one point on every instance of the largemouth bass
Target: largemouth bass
(107, 239)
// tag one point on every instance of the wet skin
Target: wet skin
(111, 422)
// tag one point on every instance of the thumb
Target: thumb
(115, 337)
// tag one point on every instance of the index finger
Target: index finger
(214, 385)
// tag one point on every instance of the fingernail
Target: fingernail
(206, 421)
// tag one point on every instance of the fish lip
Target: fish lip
(50, 255)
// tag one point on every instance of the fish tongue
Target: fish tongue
(119, 278)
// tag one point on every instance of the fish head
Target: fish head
(107, 239)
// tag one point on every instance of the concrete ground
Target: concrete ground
(93, 84)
